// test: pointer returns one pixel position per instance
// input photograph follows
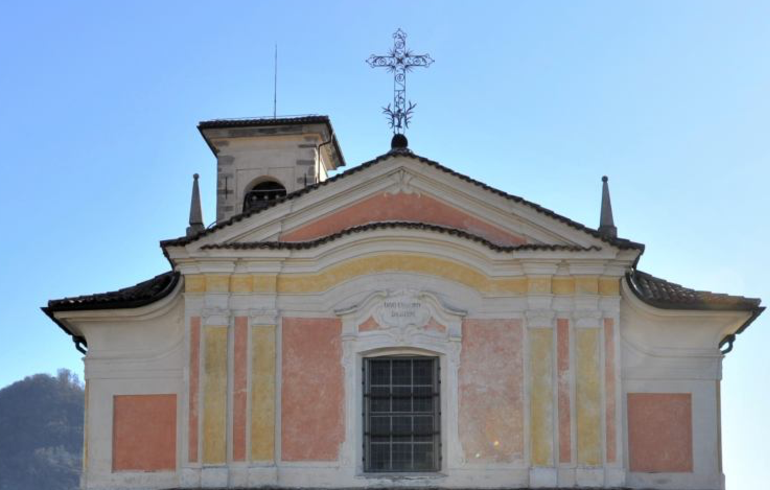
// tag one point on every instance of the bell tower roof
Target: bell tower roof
(214, 129)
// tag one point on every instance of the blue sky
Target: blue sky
(99, 102)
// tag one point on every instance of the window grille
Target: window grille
(402, 414)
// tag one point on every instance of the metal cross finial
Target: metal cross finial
(399, 61)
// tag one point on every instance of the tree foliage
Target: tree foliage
(41, 433)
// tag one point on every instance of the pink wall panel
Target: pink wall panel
(401, 207)
(144, 433)
(660, 432)
(491, 391)
(312, 392)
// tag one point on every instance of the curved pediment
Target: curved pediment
(395, 226)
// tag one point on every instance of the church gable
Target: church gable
(402, 187)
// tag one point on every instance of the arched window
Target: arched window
(263, 193)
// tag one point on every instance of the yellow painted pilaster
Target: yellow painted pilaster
(609, 286)
(215, 396)
(589, 399)
(194, 284)
(539, 285)
(262, 393)
(265, 283)
(586, 285)
(217, 283)
(242, 283)
(563, 285)
(541, 401)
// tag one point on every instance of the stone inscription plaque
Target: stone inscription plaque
(402, 309)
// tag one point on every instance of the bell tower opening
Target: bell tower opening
(262, 194)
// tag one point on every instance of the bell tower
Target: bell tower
(261, 160)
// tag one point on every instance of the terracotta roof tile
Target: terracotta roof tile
(263, 121)
(660, 293)
(141, 294)
(664, 294)
(271, 121)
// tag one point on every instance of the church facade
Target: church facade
(397, 324)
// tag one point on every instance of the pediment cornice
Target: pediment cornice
(407, 175)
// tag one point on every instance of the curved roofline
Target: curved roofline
(140, 294)
(136, 296)
(407, 225)
(666, 295)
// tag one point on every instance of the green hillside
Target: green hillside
(41, 433)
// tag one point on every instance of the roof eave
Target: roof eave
(80, 342)
(730, 338)
(84, 304)
(207, 140)
(750, 305)
(225, 123)
(81, 303)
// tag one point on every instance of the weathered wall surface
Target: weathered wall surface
(589, 443)
(312, 409)
(492, 391)
(660, 432)
(215, 395)
(541, 396)
(263, 383)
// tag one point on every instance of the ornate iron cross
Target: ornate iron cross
(399, 61)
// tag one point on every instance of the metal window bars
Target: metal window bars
(402, 414)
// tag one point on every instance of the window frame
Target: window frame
(366, 398)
